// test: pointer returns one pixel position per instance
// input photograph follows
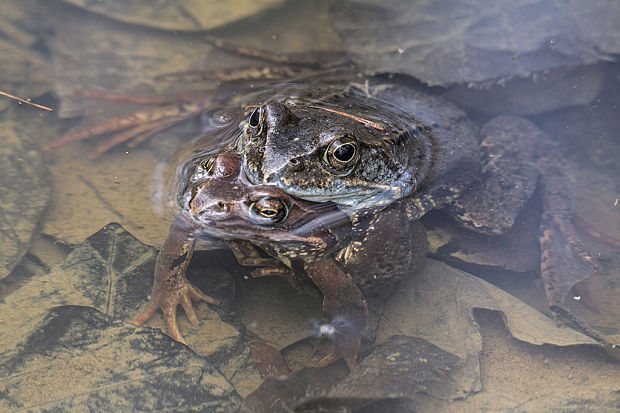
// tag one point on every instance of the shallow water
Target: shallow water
(61, 257)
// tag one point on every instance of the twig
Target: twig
(26, 101)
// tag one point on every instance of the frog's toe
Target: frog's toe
(350, 359)
(147, 313)
(346, 351)
(168, 307)
(327, 360)
(186, 303)
(168, 301)
(170, 317)
(196, 294)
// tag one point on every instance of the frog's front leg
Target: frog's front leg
(246, 254)
(343, 301)
(171, 287)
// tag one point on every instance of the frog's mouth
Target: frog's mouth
(298, 233)
(377, 196)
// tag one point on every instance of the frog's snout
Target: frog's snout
(208, 206)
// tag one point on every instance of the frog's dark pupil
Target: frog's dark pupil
(345, 153)
(207, 165)
(255, 118)
(269, 212)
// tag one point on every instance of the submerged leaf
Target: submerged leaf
(24, 190)
(390, 378)
(282, 395)
(25, 71)
(462, 41)
(92, 53)
(113, 188)
(113, 272)
(76, 358)
(182, 15)
(438, 303)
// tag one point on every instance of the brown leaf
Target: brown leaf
(24, 189)
(182, 15)
(437, 304)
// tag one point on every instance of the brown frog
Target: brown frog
(367, 142)
(376, 141)
(346, 256)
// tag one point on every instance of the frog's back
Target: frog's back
(451, 162)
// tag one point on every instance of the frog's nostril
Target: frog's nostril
(222, 207)
(295, 165)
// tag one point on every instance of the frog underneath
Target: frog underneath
(311, 244)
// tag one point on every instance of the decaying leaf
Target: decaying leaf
(25, 71)
(389, 379)
(77, 358)
(392, 375)
(541, 93)
(181, 15)
(113, 272)
(442, 43)
(516, 250)
(593, 164)
(437, 305)
(24, 190)
(112, 188)
(92, 53)
(281, 396)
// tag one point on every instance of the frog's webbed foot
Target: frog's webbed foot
(564, 259)
(168, 300)
(344, 303)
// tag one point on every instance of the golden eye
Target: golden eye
(268, 211)
(342, 153)
(207, 164)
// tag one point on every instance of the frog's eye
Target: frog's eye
(341, 154)
(268, 211)
(207, 165)
(255, 122)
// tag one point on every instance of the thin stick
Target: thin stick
(28, 102)
(357, 118)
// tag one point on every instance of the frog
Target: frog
(314, 245)
(365, 142)
(373, 141)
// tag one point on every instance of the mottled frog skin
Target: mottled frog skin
(373, 142)
(345, 155)
(355, 164)
(345, 256)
